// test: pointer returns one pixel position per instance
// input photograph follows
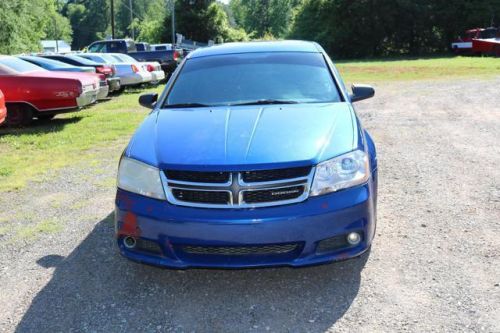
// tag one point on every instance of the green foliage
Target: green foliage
(58, 26)
(148, 16)
(366, 28)
(25, 22)
(89, 20)
(264, 17)
(149, 31)
(201, 21)
(345, 28)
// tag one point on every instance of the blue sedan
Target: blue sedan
(252, 156)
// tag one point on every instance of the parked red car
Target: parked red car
(3, 110)
(31, 91)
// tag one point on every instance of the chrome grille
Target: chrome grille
(244, 189)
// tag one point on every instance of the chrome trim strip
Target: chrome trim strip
(241, 182)
(181, 182)
(169, 185)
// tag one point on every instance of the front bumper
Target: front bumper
(171, 229)
(114, 83)
(87, 97)
(103, 92)
(134, 79)
(157, 76)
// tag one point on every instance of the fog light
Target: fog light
(353, 238)
(129, 242)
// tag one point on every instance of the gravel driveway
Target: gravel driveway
(434, 265)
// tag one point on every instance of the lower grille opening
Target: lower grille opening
(277, 194)
(277, 249)
(211, 197)
(148, 246)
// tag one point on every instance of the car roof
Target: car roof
(256, 47)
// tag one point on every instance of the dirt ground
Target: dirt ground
(434, 265)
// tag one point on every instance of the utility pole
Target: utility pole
(131, 18)
(172, 9)
(112, 20)
(56, 35)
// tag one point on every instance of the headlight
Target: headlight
(140, 178)
(344, 171)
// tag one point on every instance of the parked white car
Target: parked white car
(151, 66)
(130, 73)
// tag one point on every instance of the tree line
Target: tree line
(345, 28)
(367, 28)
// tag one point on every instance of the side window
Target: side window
(64, 59)
(71, 61)
(113, 47)
(98, 47)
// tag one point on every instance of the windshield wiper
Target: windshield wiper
(185, 105)
(265, 101)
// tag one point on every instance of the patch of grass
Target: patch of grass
(78, 205)
(33, 231)
(28, 153)
(419, 69)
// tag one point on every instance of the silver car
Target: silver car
(130, 73)
(153, 67)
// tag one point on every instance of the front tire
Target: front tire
(18, 115)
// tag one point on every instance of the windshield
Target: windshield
(19, 65)
(250, 78)
(97, 59)
(47, 63)
(124, 58)
(82, 60)
(108, 58)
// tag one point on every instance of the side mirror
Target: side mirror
(148, 100)
(361, 92)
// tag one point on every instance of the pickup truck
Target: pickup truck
(270, 167)
(478, 41)
(142, 46)
(168, 59)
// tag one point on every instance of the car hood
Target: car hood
(244, 137)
